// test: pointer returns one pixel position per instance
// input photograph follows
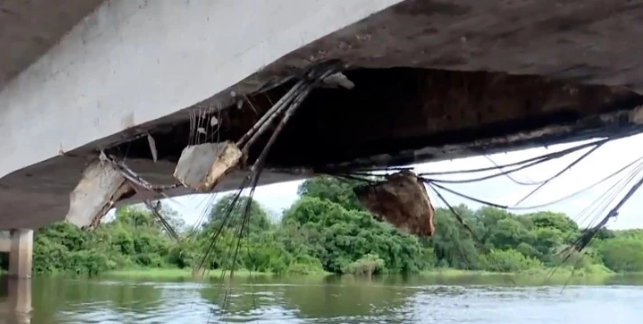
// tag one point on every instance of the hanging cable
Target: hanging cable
(541, 157)
(582, 157)
(514, 180)
(581, 191)
(495, 175)
(466, 226)
(521, 167)
(589, 235)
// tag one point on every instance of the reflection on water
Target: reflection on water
(488, 299)
(15, 301)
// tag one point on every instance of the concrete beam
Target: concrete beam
(29, 28)
(132, 62)
(403, 116)
(20, 256)
(5, 241)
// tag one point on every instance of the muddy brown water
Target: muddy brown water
(467, 299)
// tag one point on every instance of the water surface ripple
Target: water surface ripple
(57, 301)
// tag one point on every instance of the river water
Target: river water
(476, 300)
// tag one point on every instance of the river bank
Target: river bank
(534, 276)
(596, 271)
(328, 230)
(178, 273)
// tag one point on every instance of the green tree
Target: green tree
(339, 191)
(623, 254)
(231, 216)
(509, 261)
(327, 229)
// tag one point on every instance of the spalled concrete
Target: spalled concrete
(133, 67)
(131, 62)
(96, 193)
(202, 167)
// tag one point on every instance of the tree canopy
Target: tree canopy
(327, 229)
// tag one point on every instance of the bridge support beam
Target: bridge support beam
(5, 241)
(178, 61)
(20, 253)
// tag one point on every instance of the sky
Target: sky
(502, 190)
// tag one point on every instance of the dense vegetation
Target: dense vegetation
(328, 230)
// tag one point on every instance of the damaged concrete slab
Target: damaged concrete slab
(202, 167)
(100, 187)
(420, 81)
(402, 200)
(177, 66)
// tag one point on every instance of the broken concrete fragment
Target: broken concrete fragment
(402, 200)
(202, 166)
(338, 80)
(98, 190)
(152, 143)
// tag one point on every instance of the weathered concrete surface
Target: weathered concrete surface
(28, 28)
(20, 256)
(40, 195)
(155, 58)
(406, 115)
(5, 241)
(100, 187)
(585, 40)
(201, 167)
(131, 62)
(402, 200)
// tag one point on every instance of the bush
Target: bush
(367, 265)
(508, 261)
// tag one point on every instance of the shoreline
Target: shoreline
(177, 273)
(174, 273)
(547, 273)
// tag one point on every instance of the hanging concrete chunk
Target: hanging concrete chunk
(152, 143)
(401, 200)
(98, 190)
(202, 166)
(338, 80)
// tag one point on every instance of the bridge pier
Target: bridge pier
(20, 253)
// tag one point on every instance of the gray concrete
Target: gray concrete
(5, 241)
(133, 66)
(20, 254)
(30, 28)
(131, 62)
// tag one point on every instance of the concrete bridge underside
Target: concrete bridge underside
(433, 80)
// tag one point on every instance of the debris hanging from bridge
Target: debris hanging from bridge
(100, 187)
(620, 180)
(202, 166)
(286, 108)
(104, 182)
(402, 200)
